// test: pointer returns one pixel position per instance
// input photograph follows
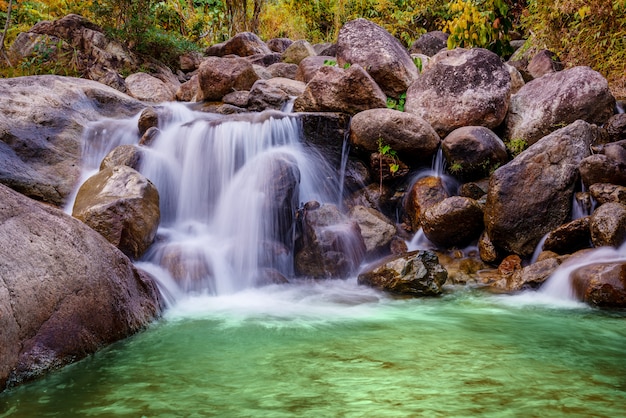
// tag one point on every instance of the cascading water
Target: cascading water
(229, 188)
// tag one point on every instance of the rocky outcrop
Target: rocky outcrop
(42, 119)
(220, 76)
(461, 88)
(532, 194)
(123, 206)
(410, 136)
(65, 292)
(337, 90)
(557, 99)
(383, 56)
(330, 245)
(414, 274)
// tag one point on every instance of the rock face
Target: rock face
(601, 285)
(220, 76)
(373, 48)
(123, 206)
(453, 222)
(532, 194)
(330, 246)
(461, 88)
(414, 140)
(473, 151)
(416, 274)
(337, 90)
(41, 123)
(557, 99)
(64, 290)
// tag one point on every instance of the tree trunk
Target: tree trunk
(4, 34)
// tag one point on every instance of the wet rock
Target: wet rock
(336, 90)
(331, 245)
(410, 136)
(309, 66)
(453, 222)
(364, 43)
(616, 127)
(220, 76)
(430, 43)
(416, 273)
(510, 264)
(474, 190)
(529, 277)
(486, 249)
(373, 196)
(544, 62)
(42, 119)
(123, 206)
(608, 225)
(148, 138)
(237, 98)
(569, 238)
(128, 155)
(326, 131)
(149, 118)
(65, 292)
(602, 285)
(380, 165)
(188, 266)
(298, 51)
(279, 44)
(424, 193)
(532, 195)
(376, 229)
(282, 69)
(605, 193)
(472, 152)
(555, 100)
(607, 167)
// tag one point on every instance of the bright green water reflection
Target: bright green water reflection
(307, 351)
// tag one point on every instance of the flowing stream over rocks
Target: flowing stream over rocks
(310, 348)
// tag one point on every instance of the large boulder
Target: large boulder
(298, 51)
(65, 292)
(453, 222)
(410, 136)
(608, 166)
(602, 285)
(416, 273)
(557, 99)
(424, 193)
(330, 245)
(309, 66)
(373, 48)
(376, 229)
(472, 152)
(42, 119)
(569, 238)
(243, 44)
(430, 43)
(148, 88)
(123, 206)
(608, 225)
(532, 194)
(337, 90)
(461, 88)
(220, 76)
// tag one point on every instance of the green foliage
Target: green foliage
(331, 63)
(166, 47)
(515, 146)
(383, 150)
(418, 64)
(479, 23)
(397, 104)
(582, 33)
(49, 58)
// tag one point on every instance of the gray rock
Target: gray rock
(430, 43)
(298, 51)
(376, 229)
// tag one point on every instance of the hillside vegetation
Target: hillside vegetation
(578, 31)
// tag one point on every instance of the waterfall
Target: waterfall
(229, 190)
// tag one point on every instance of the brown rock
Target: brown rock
(424, 193)
(569, 238)
(220, 76)
(453, 222)
(601, 285)
(128, 155)
(608, 225)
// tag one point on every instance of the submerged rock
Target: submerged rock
(65, 292)
(415, 274)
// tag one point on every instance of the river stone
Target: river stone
(472, 152)
(264, 95)
(330, 245)
(417, 273)
(284, 70)
(337, 90)
(128, 155)
(279, 44)
(383, 56)
(607, 167)
(517, 80)
(308, 67)
(244, 44)
(376, 229)
(487, 251)
(548, 103)
(147, 88)
(605, 193)
(602, 285)
(453, 222)
(220, 76)
(188, 91)
(430, 43)
(569, 238)
(608, 225)
(42, 119)
(410, 136)
(529, 277)
(147, 119)
(65, 292)
(298, 51)
(544, 62)
(123, 206)
(532, 195)
(147, 139)
(424, 193)
(461, 88)
(616, 127)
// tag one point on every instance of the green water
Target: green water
(313, 350)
